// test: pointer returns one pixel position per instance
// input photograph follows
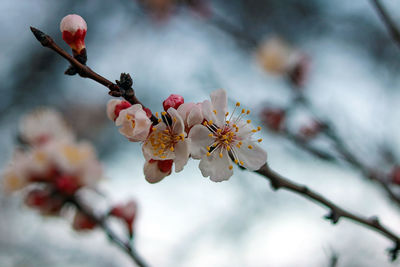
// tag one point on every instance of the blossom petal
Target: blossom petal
(219, 102)
(195, 116)
(199, 140)
(207, 110)
(252, 158)
(181, 155)
(152, 172)
(215, 167)
(177, 122)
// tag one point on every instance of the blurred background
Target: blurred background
(187, 220)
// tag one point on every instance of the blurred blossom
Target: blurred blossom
(278, 57)
(126, 212)
(273, 118)
(42, 125)
(83, 222)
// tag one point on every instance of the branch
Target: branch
(277, 182)
(101, 222)
(390, 24)
(122, 88)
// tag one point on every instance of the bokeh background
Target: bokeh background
(187, 220)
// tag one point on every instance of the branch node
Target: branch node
(333, 216)
(394, 252)
(375, 221)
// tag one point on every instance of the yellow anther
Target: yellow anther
(248, 112)
(226, 142)
(226, 114)
(163, 113)
(208, 154)
(157, 114)
(172, 149)
(259, 128)
(219, 131)
(205, 123)
(159, 120)
(228, 148)
(259, 140)
(234, 125)
(162, 145)
(154, 128)
(230, 167)
(237, 104)
(241, 162)
(208, 148)
(254, 130)
(250, 147)
(215, 112)
(240, 143)
(238, 146)
(227, 122)
(210, 135)
(166, 131)
(243, 111)
(174, 119)
(224, 136)
(220, 155)
(163, 157)
(210, 122)
(248, 121)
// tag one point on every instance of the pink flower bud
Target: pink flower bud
(73, 28)
(173, 101)
(127, 213)
(114, 107)
(83, 222)
(273, 118)
(44, 201)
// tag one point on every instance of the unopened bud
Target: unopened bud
(273, 118)
(83, 222)
(173, 101)
(73, 28)
(395, 175)
(127, 213)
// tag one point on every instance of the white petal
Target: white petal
(152, 172)
(184, 110)
(195, 116)
(111, 108)
(199, 140)
(219, 102)
(181, 155)
(177, 125)
(207, 110)
(253, 158)
(215, 167)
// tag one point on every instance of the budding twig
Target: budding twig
(101, 222)
(390, 24)
(335, 212)
(276, 180)
(122, 88)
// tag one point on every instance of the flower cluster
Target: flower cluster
(51, 166)
(205, 131)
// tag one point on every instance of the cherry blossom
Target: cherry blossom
(224, 139)
(134, 122)
(167, 140)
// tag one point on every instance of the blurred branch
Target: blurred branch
(277, 182)
(101, 222)
(328, 129)
(122, 88)
(390, 24)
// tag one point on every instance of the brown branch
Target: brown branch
(279, 182)
(122, 88)
(390, 24)
(102, 223)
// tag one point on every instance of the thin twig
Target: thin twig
(277, 181)
(101, 222)
(390, 24)
(328, 129)
(122, 88)
(336, 212)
